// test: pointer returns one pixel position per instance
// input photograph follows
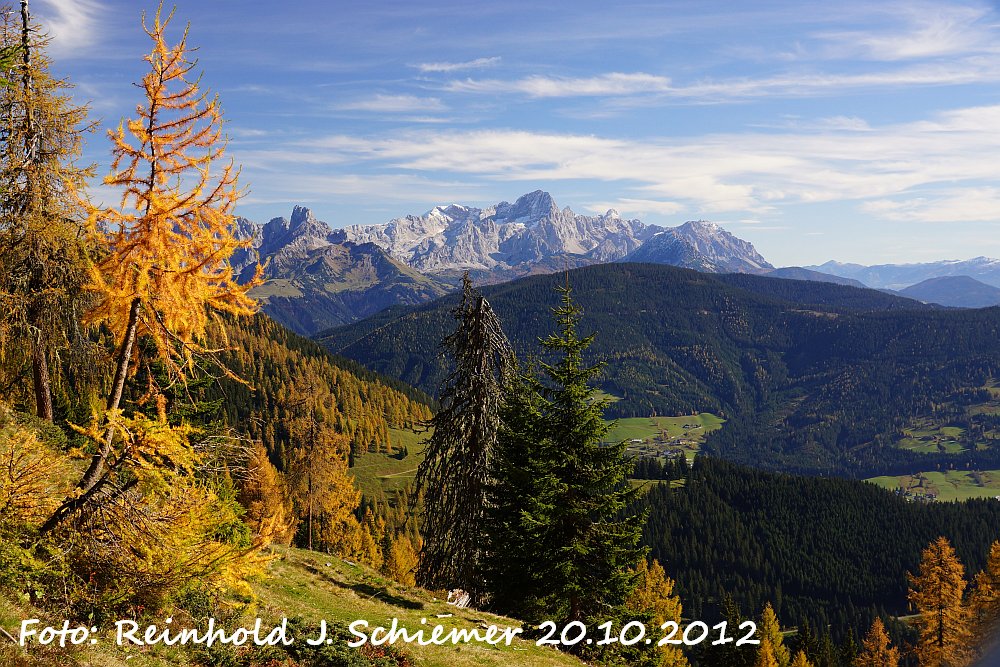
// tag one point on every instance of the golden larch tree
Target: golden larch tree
(936, 591)
(401, 558)
(765, 655)
(800, 660)
(164, 251)
(265, 494)
(322, 486)
(985, 595)
(770, 630)
(654, 593)
(876, 650)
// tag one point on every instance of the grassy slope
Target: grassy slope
(312, 586)
(949, 485)
(378, 474)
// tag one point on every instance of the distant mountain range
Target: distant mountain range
(316, 280)
(901, 276)
(320, 277)
(957, 291)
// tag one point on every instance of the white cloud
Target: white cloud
(790, 85)
(900, 170)
(395, 104)
(637, 207)
(925, 30)
(478, 63)
(614, 83)
(72, 24)
(972, 204)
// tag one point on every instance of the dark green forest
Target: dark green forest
(813, 378)
(833, 553)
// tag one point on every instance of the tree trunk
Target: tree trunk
(43, 384)
(114, 400)
(92, 478)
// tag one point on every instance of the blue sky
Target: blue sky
(856, 131)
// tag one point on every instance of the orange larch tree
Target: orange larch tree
(165, 249)
(937, 592)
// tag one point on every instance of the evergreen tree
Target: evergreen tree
(455, 473)
(875, 650)
(806, 640)
(42, 257)
(561, 497)
(936, 591)
(729, 653)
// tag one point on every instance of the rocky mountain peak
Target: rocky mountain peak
(300, 215)
(533, 230)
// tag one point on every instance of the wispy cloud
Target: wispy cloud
(614, 83)
(789, 85)
(922, 30)
(638, 207)
(971, 204)
(72, 24)
(395, 104)
(478, 63)
(897, 171)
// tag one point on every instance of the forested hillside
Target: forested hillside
(812, 377)
(275, 369)
(832, 552)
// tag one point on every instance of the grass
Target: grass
(312, 587)
(949, 485)
(379, 475)
(316, 587)
(928, 438)
(926, 435)
(660, 434)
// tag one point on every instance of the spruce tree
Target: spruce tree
(569, 554)
(455, 473)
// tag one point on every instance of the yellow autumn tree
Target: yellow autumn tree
(800, 660)
(984, 599)
(875, 650)
(770, 630)
(268, 502)
(765, 655)
(936, 591)
(654, 593)
(164, 250)
(154, 512)
(400, 562)
(322, 486)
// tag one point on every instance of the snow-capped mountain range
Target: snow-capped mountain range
(533, 229)
(503, 236)
(321, 277)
